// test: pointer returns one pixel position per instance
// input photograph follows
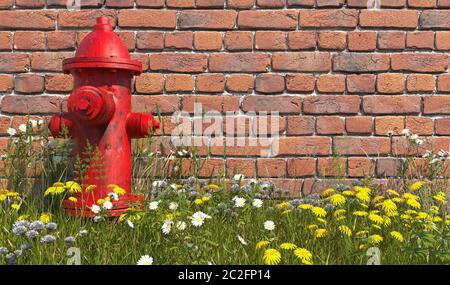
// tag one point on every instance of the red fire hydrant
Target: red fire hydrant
(99, 117)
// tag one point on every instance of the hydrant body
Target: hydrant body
(99, 118)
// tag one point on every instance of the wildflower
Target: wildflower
(48, 239)
(239, 202)
(393, 192)
(413, 203)
(70, 240)
(90, 188)
(51, 226)
(328, 192)
(95, 209)
(167, 227)
(45, 218)
(417, 185)
(205, 198)
(3, 251)
(114, 196)
(405, 132)
(238, 177)
(282, 205)
(398, 236)
(388, 206)
(360, 213)
(377, 199)
(241, 240)
(73, 199)
(376, 218)
(376, 239)
(319, 212)
(15, 207)
(362, 233)
(272, 256)
(173, 206)
(363, 196)
(19, 230)
(337, 199)
(348, 193)
(181, 225)
(288, 246)
(130, 224)
(26, 246)
(213, 186)
(11, 132)
(257, 203)
(269, 225)
(345, 230)
(83, 232)
(198, 218)
(305, 206)
(440, 197)
(145, 260)
(304, 255)
(312, 227)
(153, 205)
(73, 187)
(37, 225)
(11, 259)
(23, 128)
(261, 244)
(107, 205)
(198, 201)
(101, 201)
(320, 233)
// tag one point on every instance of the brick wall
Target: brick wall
(340, 75)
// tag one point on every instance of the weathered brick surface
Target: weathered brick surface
(341, 77)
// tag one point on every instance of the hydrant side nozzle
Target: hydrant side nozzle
(59, 123)
(140, 125)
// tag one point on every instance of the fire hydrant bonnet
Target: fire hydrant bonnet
(102, 49)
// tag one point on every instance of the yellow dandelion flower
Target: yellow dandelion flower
(319, 212)
(3, 197)
(362, 233)
(340, 218)
(363, 246)
(282, 205)
(339, 212)
(23, 217)
(337, 199)
(205, 199)
(288, 246)
(437, 219)
(261, 244)
(73, 187)
(417, 185)
(411, 212)
(405, 217)
(285, 212)
(362, 189)
(422, 216)
(377, 199)
(73, 199)
(15, 207)
(12, 194)
(305, 206)
(377, 219)
(360, 213)
(440, 197)
(198, 201)
(348, 193)
(119, 191)
(376, 226)
(169, 216)
(398, 200)
(408, 196)
(392, 214)
(413, 203)
(393, 192)
(272, 256)
(328, 192)
(45, 218)
(91, 188)
(312, 227)
(388, 206)
(434, 209)
(100, 201)
(213, 186)
(387, 221)
(375, 239)
(320, 233)
(304, 255)
(363, 196)
(345, 230)
(322, 221)
(398, 236)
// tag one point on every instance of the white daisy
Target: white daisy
(11, 131)
(238, 177)
(181, 225)
(239, 202)
(405, 132)
(130, 224)
(173, 206)
(257, 203)
(95, 209)
(145, 260)
(242, 240)
(198, 218)
(269, 225)
(23, 128)
(107, 205)
(114, 196)
(153, 205)
(167, 227)
(414, 137)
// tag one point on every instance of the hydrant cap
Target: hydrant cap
(102, 48)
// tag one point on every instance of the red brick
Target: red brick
(331, 104)
(120, 3)
(436, 105)
(330, 3)
(150, 3)
(362, 41)
(6, 40)
(443, 40)
(143, 58)
(391, 104)
(360, 167)
(210, 3)
(332, 40)
(419, 125)
(150, 40)
(388, 18)
(423, 62)
(330, 125)
(269, 83)
(212, 83)
(239, 62)
(268, 19)
(331, 167)
(358, 125)
(5, 123)
(82, 3)
(342, 18)
(301, 167)
(390, 83)
(300, 40)
(6, 83)
(150, 83)
(302, 3)
(211, 103)
(331, 83)
(270, 3)
(362, 145)
(300, 82)
(361, 83)
(420, 83)
(400, 145)
(179, 83)
(14, 62)
(48, 61)
(301, 61)
(208, 41)
(238, 41)
(31, 104)
(128, 39)
(442, 126)
(304, 145)
(391, 40)
(388, 167)
(178, 62)
(360, 62)
(444, 83)
(207, 19)
(147, 19)
(240, 83)
(179, 40)
(268, 103)
(271, 167)
(36, 20)
(180, 3)
(29, 41)
(58, 83)
(267, 125)
(29, 83)
(5, 4)
(154, 104)
(270, 40)
(241, 4)
(60, 40)
(435, 19)
(389, 124)
(242, 166)
(212, 167)
(83, 18)
(420, 40)
(443, 3)
(300, 125)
